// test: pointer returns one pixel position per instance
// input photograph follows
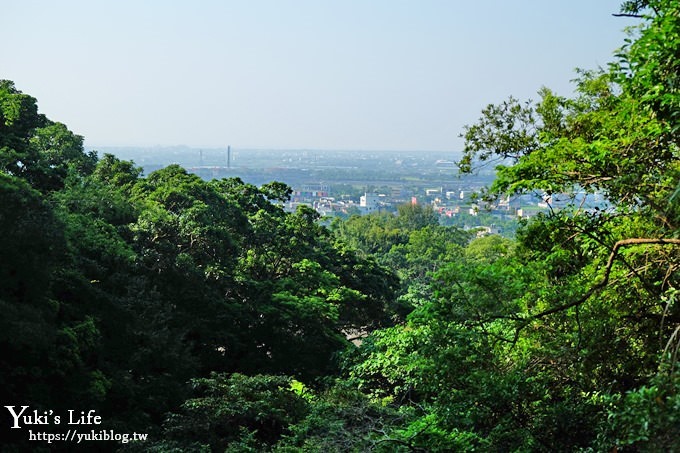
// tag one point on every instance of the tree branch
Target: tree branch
(636, 16)
(608, 268)
(593, 289)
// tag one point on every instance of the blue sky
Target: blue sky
(304, 74)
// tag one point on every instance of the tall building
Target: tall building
(369, 202)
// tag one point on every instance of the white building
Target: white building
(369, 202)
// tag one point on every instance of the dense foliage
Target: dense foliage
(203, 313)
(117, 290)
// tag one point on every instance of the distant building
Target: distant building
(504, 203)
(325, 207)
(528, 212)
(369, 202)
(441, 163)
(292, 206)
(311, 192)
(488, 230)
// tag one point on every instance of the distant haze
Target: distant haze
(320, 74)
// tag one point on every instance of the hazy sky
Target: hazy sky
(322, 74)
